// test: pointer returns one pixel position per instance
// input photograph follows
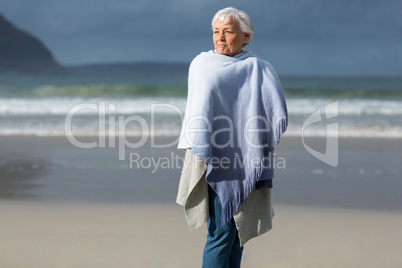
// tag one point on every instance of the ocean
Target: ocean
(153, 103)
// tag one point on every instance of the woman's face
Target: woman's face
(228, 38)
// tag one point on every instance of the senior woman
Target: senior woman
(234, 118)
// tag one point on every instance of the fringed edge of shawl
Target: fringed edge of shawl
(234, 205)
(281, 125)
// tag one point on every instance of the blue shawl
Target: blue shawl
(235, 115)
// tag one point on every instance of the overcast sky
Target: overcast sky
(309, 37)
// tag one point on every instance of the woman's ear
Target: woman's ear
(246, 36)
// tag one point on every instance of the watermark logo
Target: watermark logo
(331, 153)
(117, 127)
(249, 131)
(174, 161)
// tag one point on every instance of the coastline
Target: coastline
(52, 169)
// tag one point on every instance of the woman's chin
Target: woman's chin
(221, 51)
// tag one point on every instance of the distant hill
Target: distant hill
(21, 52)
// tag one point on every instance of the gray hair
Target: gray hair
(239, 16)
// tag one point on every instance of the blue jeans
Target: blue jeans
(222, 249)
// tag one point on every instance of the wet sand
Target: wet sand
(63, 206)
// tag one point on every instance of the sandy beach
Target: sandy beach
(101, 235)
(63, 206)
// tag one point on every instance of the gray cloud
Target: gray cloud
(312, 31)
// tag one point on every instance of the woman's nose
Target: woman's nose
(222, 36)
